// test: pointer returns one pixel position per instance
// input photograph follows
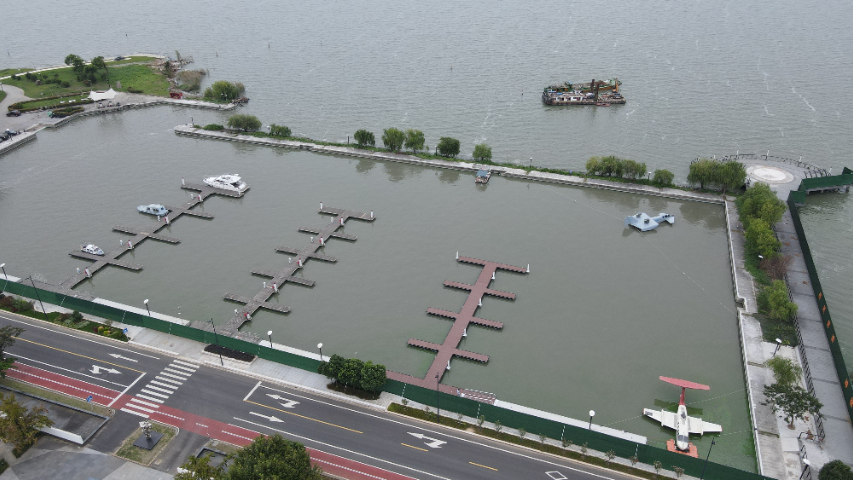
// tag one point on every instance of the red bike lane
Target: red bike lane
(333, 464)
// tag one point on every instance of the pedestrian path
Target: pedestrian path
(159, 389)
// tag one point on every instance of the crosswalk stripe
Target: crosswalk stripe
(163, 379)
(186, 363)
(178, 372)
(139, 408)
(152, 387)
(146, 397)
(155, 382)
(154, 405)
(191, 370)
(173, 376)
(149, 392)
(135, 413)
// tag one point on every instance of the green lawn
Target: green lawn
(55, 396)
(54, 101)
(139, 77)
(138, 59)
(2, 95)
(12, 71)
(140, 455)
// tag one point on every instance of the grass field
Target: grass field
(55, 396)
(2, 95)
(138, 59)
(12, 71)
(140, 455)
(139, 77)
(42, 103)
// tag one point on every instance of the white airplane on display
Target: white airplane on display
(679, 421)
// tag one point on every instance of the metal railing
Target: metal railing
(804, 460)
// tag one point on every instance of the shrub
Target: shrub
(785, 370)
(393, 139)
(482, 152)
(64, 112)
(779, 304)
(21, 305)
(133, 90)
(835, 470)
(223, 91)
(214, 127)
(363, 137)
(190, 80)
(352, 372)
(247, 123)
(593, 165)
(759, 201)
(100, 329)
(663, 178)
(280, 131)
(448, 147)
(760, 239)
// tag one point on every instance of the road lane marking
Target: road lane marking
(477, 464)
(149, 392)
(170, 392)
(146, 397)
(194, 365)
(116, 355)
(126, 389)
(252, 391)
(342, 449)
(412, 446)
(173, 376)
(153, 405)
(162, 379)
(301, 416)
(271, 418)
(183, 367)
(34, 325)
(96, 369)
(78, 355)
(68, 370)
(155, 382)
(178, 372)
(133, 412)
(434, 443)
(129, 405)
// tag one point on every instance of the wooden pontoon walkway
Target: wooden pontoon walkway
(141, 234)
(449, 349)
(278, 279)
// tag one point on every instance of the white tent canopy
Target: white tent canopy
(98, 96)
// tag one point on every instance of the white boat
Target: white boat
(92, 249)
(154, 209)
(231, 182)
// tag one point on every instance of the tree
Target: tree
(373, 376)
(8, 334)
(280, 131)
(332, 368)
(482, 152)
(593, 165)
(199, 468)
(273, 458)
(224, 91)
(350, 372)
(99, 63)
(730, 175)
(247, 123)
(393, 139)
(663, 178)
(794, 401)
(363, 137)
(610, 166)
(779, 305)
(71, 58)
(784, 370)
(448, 147)
(760, 238)
(414, 140)
(18, 424)
(835, 470)
(702, 171)
(633, 169)
(759, 201)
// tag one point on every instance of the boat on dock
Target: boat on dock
(599, 93)
(590, 87)
(228, 181)
(91, 249)
(483, 176)
(154, 209)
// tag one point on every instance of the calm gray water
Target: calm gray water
(601, 314)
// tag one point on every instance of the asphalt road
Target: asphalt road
(391, 442)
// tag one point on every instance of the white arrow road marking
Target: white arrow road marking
(287, 403)
(555, 475)
(433, 443)
(123, 358)
(97, 370)
(270, 418)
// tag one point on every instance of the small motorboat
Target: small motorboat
(154, 209)
(91, 249)
(483, 176)
(231, 182)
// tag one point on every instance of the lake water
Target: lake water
(602, 313)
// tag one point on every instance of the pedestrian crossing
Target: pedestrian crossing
(159, 389)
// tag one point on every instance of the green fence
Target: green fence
(826, 318)
(534, 425)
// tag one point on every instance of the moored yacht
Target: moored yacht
(231, 182)
(154, 209)
(91, 249)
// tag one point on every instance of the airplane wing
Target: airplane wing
(666, 419)
(697, 425)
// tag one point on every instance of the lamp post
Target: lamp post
(778, 344)
(437, 400)
(146, 306)
(216, 338)
(3, 267)
(591, 414)
(320, 347)
(269, 334)
(37, 296)
(706, 459)
(807, 465)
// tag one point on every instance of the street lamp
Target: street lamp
(706, 458)
(218, 348)
(807, 465)
(591, 414)
(320, 347)
(778, 344)
(437, 400)
(37, 296)
(146, 306)
(269, 334)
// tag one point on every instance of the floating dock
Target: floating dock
(449, 349)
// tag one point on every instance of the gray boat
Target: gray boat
(644, 223)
